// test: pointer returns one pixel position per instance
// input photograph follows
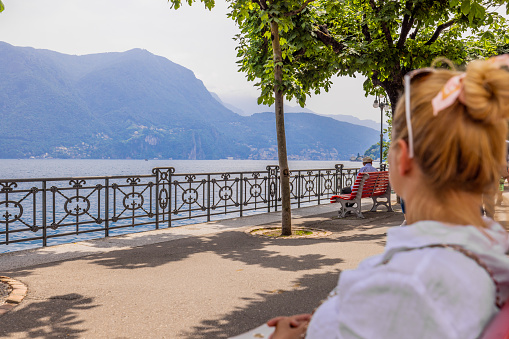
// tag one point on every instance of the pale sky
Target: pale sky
(193, 37)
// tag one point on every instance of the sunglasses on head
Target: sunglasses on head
(415, 74)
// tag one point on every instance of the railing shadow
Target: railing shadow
(233, 245)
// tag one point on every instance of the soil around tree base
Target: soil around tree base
(274, 232)
(5, 290)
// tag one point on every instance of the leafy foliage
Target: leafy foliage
(380, 39)
(305, 63)
(209, 4)
(373, 152)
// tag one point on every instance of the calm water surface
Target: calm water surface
(57, 168)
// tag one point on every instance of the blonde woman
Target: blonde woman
(446, 274)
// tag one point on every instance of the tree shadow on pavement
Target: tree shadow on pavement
(239, 246)
(231, 245)
(54, 317)
(309, 291)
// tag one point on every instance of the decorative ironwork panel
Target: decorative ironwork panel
(329, 181)
(132, 201)
(189, 196)
(32, 211)
(349, 176)
(73, 205)
(19, 218)
(256, 189)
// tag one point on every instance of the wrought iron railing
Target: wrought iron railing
(34, 211)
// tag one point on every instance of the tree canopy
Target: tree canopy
(379, 39)
(383, 40)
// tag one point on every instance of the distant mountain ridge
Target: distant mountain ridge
(356, 121)
(250, 104)
(135, 104)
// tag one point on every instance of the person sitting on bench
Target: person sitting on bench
(446, 274)
(367, 166)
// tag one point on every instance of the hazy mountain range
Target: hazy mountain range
(138, 105)
(253, 108)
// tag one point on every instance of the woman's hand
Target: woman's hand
(289, 327)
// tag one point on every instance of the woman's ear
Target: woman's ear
(404, 162)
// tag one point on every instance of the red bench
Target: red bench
(372, 185)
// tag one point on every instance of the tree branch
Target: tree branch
(323, 35)
(439, 30)
(406, 25)
(414, 33)
(385, 29)
(365, 30)
(261, 3)
(374, 79)
(297, 11)
(298, 54)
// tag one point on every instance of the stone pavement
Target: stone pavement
(210, 280)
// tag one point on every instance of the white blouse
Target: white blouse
(422, 293)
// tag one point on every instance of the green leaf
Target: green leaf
(471, 16)
(465, 7)
(1, 6)
(454, 3)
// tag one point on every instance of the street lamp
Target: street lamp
(383, 105)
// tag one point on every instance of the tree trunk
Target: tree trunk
(286, 218)
(393, 91)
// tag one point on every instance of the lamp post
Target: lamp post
(383, 105)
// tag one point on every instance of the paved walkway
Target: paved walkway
(209, 280)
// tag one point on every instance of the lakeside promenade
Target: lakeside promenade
(210, 280)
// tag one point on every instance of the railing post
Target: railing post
(157, 198)
(339, 177)
(241, 201)
(273, 185)
(267, 190)
(163, 175)
(299, 188)
(208, 197)
(107, 208)
(319, 186)
(44, 212)
(277, 187)
(170, 194)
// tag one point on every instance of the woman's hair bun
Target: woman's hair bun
(486, 92)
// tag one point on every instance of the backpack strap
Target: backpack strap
(388, 256)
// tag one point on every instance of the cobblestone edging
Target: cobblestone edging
(17, 294)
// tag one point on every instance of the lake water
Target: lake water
(57, 168)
